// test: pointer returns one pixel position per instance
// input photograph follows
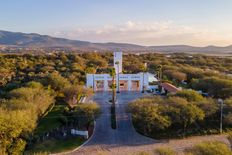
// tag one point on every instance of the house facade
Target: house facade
(124, 82)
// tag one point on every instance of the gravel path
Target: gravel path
(125, 140)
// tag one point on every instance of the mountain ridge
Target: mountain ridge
(19, 39)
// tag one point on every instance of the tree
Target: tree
(72, 94)
(113, 85)
(209, 106)
(228, 119)
(85, 113)
(57, 82)
(13, 125)
(215, 86)
(175, 75)
(34, 96)
(227, 111)
(184, 112)
(190, 95)
(190, 113)
(148, 116)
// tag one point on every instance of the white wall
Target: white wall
(143, 78)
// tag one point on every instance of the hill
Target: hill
(23, 40)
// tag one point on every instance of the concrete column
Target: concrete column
(141, 82)
(146, 80)
(94, 83)
(117, 82)
(129, 84)
(105, 83)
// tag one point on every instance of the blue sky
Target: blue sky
(146, 22)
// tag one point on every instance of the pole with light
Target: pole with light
(220, 101)
(117, 63)
(145, 69)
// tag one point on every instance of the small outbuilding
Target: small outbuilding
(169, 88)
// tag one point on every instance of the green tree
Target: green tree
(113, 85)
(57, 82)
(190, 95)
(86, 113)
(185, 113)
(72, 94)
(148, 116)
(215, 86)
(209, 106)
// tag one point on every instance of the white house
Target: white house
(124, 82)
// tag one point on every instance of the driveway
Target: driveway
(125, 140)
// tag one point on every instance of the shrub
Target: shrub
(210, 148)
(165, 151)
(142, 153)
(230, 138)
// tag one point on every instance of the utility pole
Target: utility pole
(221, 113)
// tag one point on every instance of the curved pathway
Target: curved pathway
(125, 140)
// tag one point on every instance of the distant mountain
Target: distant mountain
(18, 39)
(37, 40)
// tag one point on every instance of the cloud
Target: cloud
(150, 33)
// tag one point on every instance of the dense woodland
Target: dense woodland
(33, 85)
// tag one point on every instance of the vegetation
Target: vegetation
(230, 138)
(81, 115)
(210, 148)
(165, 151)
(155, 115)
(142, 153)
(56, 145)
(187, 112)
(36, 90)
(15, 126)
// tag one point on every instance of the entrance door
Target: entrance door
(123, 85)
(135, 85)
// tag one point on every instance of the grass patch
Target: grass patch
(55, 145)
(165, 151)
(51, 120)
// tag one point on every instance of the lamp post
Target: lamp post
(220, 101)
(117, 63)
(145, 69)
(93, 83)
(143, 83)
(159, 72)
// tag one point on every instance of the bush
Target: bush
(230, 138)
(210, 148)
(190, 95)
(142, 153)
(165, 151)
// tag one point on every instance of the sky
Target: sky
(144, 22)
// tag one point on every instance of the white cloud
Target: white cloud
(150, 33)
